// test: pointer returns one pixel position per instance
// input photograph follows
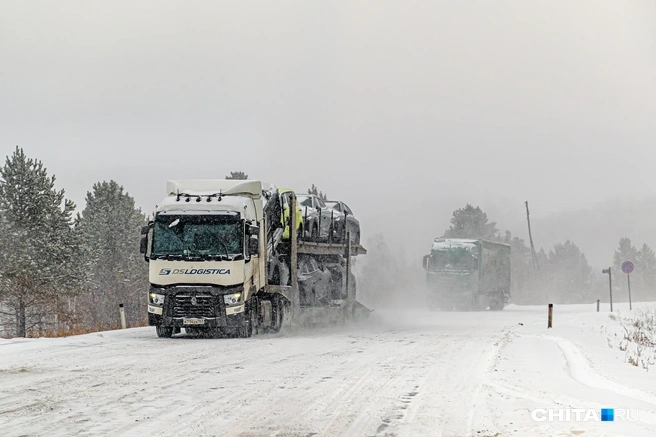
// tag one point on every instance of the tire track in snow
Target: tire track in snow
(573, 365)
(484, 368)
(580, 370)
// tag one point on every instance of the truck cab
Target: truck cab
(205, 257)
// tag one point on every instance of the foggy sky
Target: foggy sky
(405, 110)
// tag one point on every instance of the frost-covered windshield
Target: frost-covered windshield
(197, 235)
(456, 258)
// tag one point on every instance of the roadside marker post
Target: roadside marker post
(597, 305)
(610, 285)
(121, 311)
(549, 323)
(627, 267)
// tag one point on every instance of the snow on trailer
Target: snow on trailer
(213, 269)
(303, 312)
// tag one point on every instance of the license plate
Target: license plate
(193, 322)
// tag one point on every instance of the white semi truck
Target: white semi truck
(211, 253)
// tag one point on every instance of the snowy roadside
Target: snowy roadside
(402, 373)
(574, 365)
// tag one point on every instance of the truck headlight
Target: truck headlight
(232, 299)
(156, 299)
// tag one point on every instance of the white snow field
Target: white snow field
(400, 373)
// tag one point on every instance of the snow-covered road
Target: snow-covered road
(413, 373)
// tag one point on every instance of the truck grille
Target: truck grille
(184, 308)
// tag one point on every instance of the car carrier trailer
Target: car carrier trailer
(210, 264)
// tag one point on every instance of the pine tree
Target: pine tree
(646, 273)
(237, 175)
(520, 267)
(314, 190)
(569, 274)
(470, 222)
(110, 224)
(40, 260)
(626, 252)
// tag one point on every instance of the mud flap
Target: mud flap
(360, 312)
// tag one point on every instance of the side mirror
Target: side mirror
(426, 258)
(143, 244)
(253, 246)
(143, 247)
(145, 229)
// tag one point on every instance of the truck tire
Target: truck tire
(246, 330)
(278, 308)
(164, 331)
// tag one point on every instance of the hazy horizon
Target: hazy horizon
(404, 111)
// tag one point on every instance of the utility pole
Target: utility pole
(534, 256)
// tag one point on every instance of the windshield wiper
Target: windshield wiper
(196, 257)
(184, 243)
(166, 256)
(218, 238)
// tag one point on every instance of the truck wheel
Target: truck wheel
(246, 330)
(164, 331)
(278, 309)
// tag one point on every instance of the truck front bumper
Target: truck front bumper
(197, 307)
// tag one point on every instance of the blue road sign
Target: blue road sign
(605, 271)
(627, 267)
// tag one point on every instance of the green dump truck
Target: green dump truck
(467, 274)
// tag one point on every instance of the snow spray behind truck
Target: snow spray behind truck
(467, 274)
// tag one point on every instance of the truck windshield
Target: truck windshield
(452, 259)
(198, 235)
